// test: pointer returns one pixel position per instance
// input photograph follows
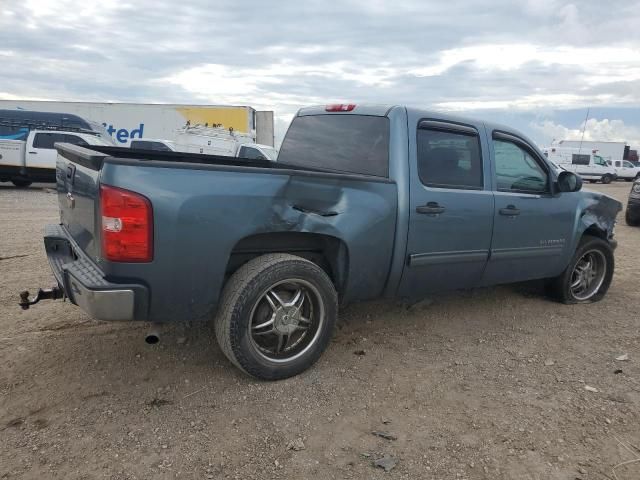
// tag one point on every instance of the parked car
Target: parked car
(364, 202)
(632, 215)
(625, 170)
(33, 159)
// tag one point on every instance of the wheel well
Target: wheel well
(595, 231)
(329, 253)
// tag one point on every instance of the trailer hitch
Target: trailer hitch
(52, 293)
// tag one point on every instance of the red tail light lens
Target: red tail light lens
(127, 225)
(342, 107)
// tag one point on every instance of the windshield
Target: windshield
(598, 160)
(342, 143)
(270, 152)
(95, 140)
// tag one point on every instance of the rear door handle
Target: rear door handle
(33, 153)
(431, 208)
(510, 211)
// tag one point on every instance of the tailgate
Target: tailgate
(77, 178)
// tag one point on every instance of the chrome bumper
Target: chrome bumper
(85, 285)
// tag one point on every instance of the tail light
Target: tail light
(342, 107)
(127, 225)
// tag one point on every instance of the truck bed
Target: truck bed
(211, 213)
(93, 158)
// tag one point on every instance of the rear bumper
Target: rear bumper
(85, 284)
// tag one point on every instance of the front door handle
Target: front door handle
(510, 211)
(33, 153)
(431, 208)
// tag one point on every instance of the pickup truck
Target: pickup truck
(249, 150)
(364, 202)
(34, 158)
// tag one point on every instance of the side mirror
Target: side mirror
(569, 182)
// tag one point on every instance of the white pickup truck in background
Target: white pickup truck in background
(34, 159)
(209, 141)
(625, 170)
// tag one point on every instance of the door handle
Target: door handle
(431, 208)
(510, 211)
(33, 153)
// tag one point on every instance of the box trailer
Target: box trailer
(127, 121)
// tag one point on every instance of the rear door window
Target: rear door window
(449, 159)
(341, 143)
(578, 159)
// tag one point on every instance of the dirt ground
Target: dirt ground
(489, 384)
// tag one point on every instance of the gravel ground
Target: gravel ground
(488, 384)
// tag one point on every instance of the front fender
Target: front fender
(596, 211)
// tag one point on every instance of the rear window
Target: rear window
(342, 143)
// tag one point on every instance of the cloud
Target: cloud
(598, 130)
(534, 56)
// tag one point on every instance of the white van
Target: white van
(625, 170)
(588, 164)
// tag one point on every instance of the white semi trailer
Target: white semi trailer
(130, 121)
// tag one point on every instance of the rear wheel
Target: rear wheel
(276, 316)
(606, 179)
(20, 183)
(588, 276)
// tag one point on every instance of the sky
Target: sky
(536, 65)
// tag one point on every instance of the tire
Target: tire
(631, 221)
(561, 286)
(606, 179)
(21, 183)
(247, 300)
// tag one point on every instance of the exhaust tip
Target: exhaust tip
(152, 338)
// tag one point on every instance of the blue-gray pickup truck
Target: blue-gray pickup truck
(363, 202)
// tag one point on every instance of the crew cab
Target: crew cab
(625, 170)
(34, 158)
(364, 202)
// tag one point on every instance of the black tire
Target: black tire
(560, 287)
(606, 179)
(247, 292)
(631, 221)
(21, 183)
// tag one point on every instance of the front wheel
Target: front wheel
(606, 179)
(588, 276)
(276, 316)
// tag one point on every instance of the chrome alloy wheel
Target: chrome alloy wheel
(588, 275)
(286, 320)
